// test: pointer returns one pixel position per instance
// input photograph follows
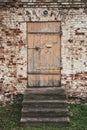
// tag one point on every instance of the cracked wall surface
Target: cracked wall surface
(13, 48)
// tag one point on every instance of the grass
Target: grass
(10, 118)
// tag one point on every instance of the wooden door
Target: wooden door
(44, 54)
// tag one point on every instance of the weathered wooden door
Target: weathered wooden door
(44, 54)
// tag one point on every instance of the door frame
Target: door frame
(60, 45)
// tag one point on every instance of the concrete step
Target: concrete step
(59, 121)
(48, 90)
(28, 112)
(43, 94)
(45, 86)
(44, 104)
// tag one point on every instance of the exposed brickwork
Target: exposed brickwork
(74, 53)
(13, 53)
(13, 48)
(44, 3)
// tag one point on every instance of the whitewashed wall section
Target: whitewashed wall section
(13, 48)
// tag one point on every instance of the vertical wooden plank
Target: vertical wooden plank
(50, 50)
(33, 80)
(30, 53)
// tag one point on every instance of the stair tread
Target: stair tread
(44, 110)
(36, 101)
(44, 97)
(39, 119)
(49, 90)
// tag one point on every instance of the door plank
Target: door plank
(48, 48)
(43, 80)
(44, 27)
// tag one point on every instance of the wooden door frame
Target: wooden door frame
(27, 44)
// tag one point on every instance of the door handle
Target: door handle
(49, 46)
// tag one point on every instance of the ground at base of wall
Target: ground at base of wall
(75, 100)
(10, 117)
(13, 98)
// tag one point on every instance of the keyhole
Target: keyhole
(37, 48)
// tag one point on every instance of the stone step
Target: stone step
(45, 86)
(48, 90)
(45, 104)
(42, 94)
(45, 96)
(59, 121)
(28, 112)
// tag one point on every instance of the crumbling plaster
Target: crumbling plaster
(13, 48)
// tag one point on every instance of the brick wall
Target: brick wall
(13, 48)
(74, 53)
